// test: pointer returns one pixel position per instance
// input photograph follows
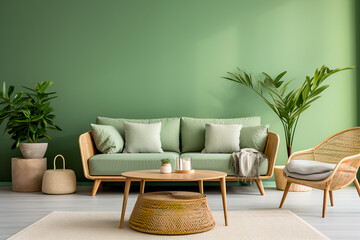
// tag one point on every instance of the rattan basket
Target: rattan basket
(59, 181)
(171, 213)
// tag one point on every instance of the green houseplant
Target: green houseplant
(165, 161)
(287, 105)
(29, 117)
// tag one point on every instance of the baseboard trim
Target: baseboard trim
(269, 184)
(266, 183)
(5, 183)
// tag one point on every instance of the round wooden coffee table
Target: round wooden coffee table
(155, 176)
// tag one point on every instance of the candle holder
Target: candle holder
(184, 165)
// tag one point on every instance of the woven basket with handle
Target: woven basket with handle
(59, 181)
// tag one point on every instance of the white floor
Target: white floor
(18, 210)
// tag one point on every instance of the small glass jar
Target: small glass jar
(186, 163)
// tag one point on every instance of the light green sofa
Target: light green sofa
(180, 137)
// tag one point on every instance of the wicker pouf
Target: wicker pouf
(171, 213)
(281, 182)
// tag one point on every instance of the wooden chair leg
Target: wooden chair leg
(95, 187)
(260, 186)
(326, 193)
(288, 184)
(356, 182)
(331, 198)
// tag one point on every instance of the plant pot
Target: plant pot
(33, 150)
(165, 168)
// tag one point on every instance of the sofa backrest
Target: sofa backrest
(170, 129)
(193, 130)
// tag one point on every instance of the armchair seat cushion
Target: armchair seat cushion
(309, 170)
(309, 167)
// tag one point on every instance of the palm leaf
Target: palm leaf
(287, 105)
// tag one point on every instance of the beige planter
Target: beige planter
(27, 174)
(281, 182)
(165, 168)
(33, 150)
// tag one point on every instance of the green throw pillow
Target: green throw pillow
(254, 137)
(107, 139)
(193, 130)
(142, 138)
(222, 138)
(170, 129)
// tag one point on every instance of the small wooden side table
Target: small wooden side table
(27, 174)
(281, 182)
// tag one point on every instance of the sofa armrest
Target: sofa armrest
(87, 150)
(271, 149)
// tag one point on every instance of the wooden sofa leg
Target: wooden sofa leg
(356, 182)
(288, 184)
(260, 186)
(95, 187)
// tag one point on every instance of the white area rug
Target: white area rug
(254, 224)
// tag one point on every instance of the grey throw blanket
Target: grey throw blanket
(246, 162)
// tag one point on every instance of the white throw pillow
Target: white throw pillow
(222, 138)
(142, 138)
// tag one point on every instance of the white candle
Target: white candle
(186, 165)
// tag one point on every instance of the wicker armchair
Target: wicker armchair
(343, 149)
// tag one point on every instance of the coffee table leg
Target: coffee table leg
(223, 193)
(142, 186)
(126, 194)
(201, 186)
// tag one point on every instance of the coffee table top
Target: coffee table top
(155, 175)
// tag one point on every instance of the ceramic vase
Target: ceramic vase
(165, 168)
(33, 150)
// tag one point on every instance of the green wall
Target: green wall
(357, 47)
(163, 58)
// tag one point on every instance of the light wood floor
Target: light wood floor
(18, 210)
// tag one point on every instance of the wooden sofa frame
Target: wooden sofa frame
(88, 149)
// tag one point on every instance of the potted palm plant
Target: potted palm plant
(29, 117)
(287, 105)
